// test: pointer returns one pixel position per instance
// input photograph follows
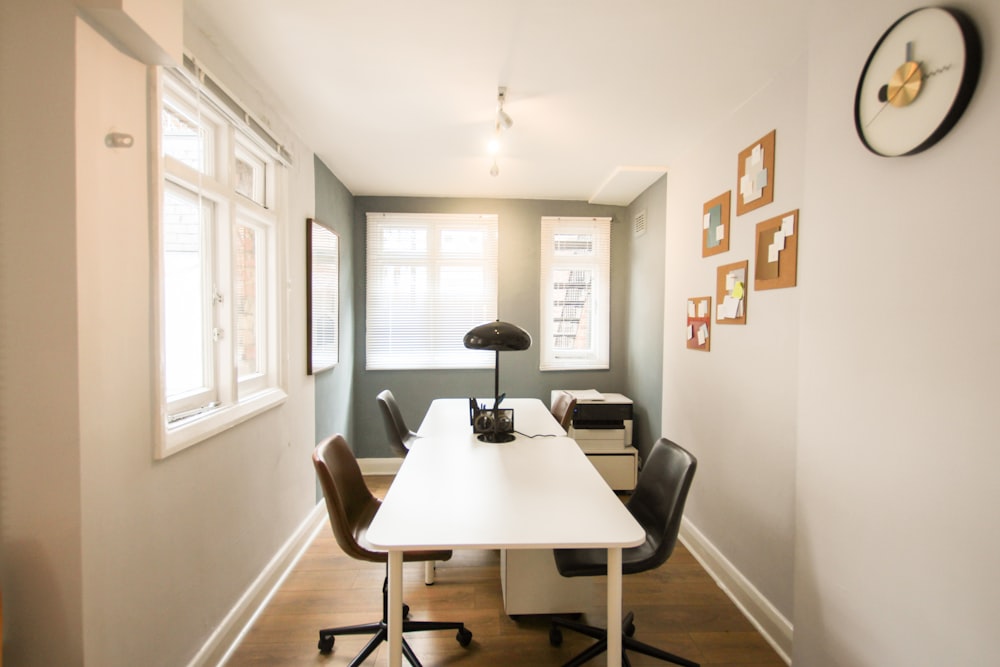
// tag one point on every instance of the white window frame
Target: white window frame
(229, 399)
(597, 355)
(433, 322)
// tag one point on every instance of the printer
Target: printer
(600, 421)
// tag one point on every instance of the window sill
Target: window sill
(181, 435)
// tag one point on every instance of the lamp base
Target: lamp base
(493, 436)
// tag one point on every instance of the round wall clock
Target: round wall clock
(917, 81)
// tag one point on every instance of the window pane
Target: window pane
(185, 139)
(571, 306)
(248, 301)
(185, 290)
(250, 175)
(575, 317)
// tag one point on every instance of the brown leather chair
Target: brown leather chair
(562, 409)
(658, 505)
(400, 436)
(352, 507)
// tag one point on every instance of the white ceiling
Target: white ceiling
(398, 97)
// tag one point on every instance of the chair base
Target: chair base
(381, 632)
(601, 635)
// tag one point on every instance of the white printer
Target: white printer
(600, 421)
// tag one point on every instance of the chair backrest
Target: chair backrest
(562, 408)
(658, 501)
(400, 436)
(349, 502)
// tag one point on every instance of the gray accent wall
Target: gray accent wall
(645, 267)
(335, 210)
(519, 302)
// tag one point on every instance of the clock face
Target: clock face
(917, 82)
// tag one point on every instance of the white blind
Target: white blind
(430, 279)
(575, 293)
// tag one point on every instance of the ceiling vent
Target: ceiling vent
(639, 224)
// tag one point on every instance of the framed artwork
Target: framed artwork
(699, 323)
(755, 175)
(777, 252)
(715, 225)
(731, 293)
(322, 297)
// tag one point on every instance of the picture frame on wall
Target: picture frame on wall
(322, 297)
(715, 225)
(755, 175)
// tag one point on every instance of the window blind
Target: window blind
(430, 279)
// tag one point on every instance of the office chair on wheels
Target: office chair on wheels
(401, 438)
(352, 507)
(658, 505)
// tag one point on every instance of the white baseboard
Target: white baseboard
(380, 466)
(227, 636)
(775, 628)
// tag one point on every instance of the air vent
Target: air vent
(639, 224)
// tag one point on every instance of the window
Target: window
(576, 288)
(217, 234)
(430, 278)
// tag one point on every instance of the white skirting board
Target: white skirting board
(775, 628)
(227, 636)
(380, 466)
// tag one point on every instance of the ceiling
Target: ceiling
(399, 97)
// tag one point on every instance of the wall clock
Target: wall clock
(917, 81)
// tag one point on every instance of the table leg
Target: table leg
(614, 607)
(396, 608)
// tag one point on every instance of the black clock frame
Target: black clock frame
(970, 78)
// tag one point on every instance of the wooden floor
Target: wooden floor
(678, 608)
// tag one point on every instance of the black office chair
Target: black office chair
(352, 507)
(657, 504)
(400, 436)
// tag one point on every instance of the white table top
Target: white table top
(453, 491)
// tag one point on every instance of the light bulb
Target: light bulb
(494, 145)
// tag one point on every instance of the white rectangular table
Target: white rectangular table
(455, 492)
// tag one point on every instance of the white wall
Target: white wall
(896, 537)
(734, 406)
(39, 441)
(109, 556)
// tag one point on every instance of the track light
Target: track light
(503, 122)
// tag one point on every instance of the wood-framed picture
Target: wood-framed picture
(755, 175)
(777, 254)
(699, 323)
(715, 225)
(322, 297)
(731, 293)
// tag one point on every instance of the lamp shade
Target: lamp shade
(499, 336)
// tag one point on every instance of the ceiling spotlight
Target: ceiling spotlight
(503, 118)
(503, 122)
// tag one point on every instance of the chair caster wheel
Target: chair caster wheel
(406, 611)
(555, 637)
(325, 643)
(464, 637)
(630, 629)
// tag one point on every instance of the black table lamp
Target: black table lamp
(500, 337)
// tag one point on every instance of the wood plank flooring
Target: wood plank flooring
(678, 608)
